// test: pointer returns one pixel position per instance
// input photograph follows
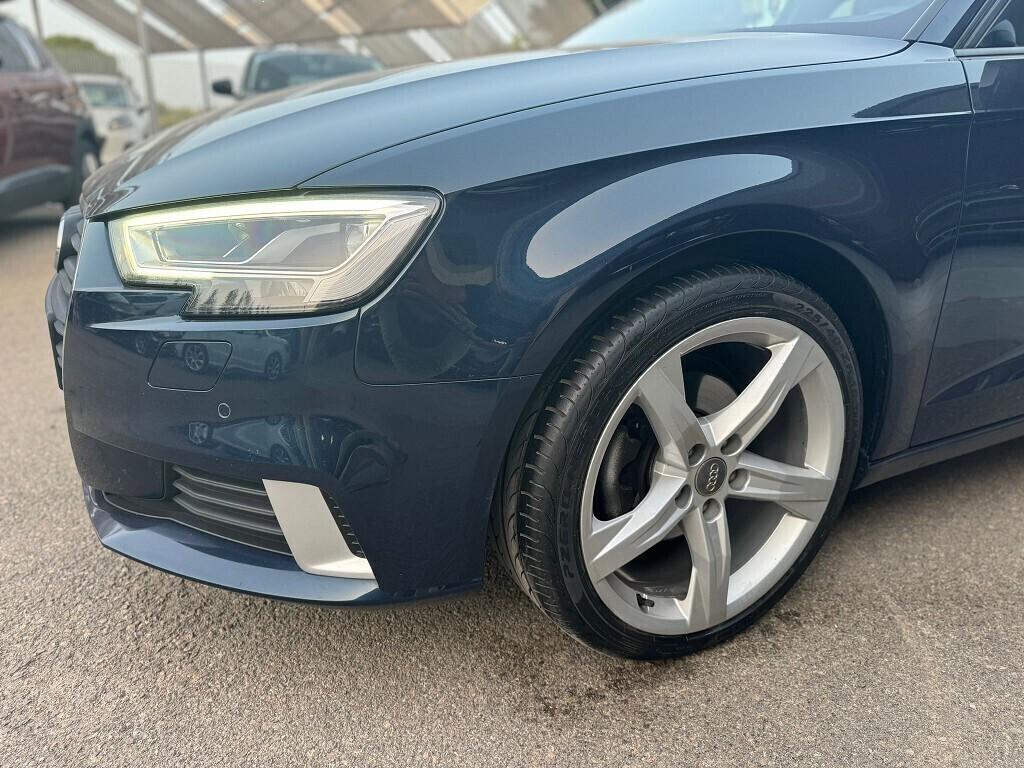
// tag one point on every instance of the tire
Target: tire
(556, 500)
(85, 162)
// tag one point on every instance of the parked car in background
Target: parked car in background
(648, 311)
(48, 145)
(121, 120)
(274, 70)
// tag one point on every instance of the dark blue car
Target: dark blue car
(640, 314)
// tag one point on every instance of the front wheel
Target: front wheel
(686, 465)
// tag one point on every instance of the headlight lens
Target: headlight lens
(271, 256)
(119, 123)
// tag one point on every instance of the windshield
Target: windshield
(105, 95)
(283, 70)
(648, 20)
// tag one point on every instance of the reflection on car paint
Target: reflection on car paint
(358, 458)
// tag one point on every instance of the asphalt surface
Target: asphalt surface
(903, 644)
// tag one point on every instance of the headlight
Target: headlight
(272, 256)
(119, 123)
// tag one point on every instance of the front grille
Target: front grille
(238, 510)
(58, 295)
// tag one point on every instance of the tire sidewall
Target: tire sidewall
(638, 346)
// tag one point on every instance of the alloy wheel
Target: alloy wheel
(712, 475)
(195, 357)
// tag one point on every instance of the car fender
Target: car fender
(553, 213)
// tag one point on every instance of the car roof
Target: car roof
(89, 78)
(270, 53)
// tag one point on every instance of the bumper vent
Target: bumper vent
(58, 295)
(233, 509)
(345, 528)
(238, 510)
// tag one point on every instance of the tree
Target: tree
(81, 56)
(167, 116)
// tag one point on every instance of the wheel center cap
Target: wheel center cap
(710, 477)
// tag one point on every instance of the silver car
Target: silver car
(121, 121)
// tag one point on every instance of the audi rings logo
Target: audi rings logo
(710, 477)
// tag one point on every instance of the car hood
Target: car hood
(278, 141)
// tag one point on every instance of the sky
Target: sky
(175, 75)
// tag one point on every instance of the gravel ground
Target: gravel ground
(903, 644)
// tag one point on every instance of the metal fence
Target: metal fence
(180, 81)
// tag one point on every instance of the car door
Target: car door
(976, 375)
(6, 122)
(49, 125)
(13, 65)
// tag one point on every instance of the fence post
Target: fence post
(39, 20)
(140, 23)
(204, 79)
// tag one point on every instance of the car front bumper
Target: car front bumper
(409, 470)
(196, 555)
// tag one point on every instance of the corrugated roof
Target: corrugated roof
(116, 19)
(175, 25)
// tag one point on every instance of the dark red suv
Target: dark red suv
(47, 142)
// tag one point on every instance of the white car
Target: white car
(121, 121)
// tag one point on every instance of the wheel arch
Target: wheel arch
(843, 287)
(823, 268)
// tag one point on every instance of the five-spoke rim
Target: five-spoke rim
(704, 463)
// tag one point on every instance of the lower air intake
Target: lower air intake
(238, 510)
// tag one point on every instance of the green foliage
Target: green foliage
(167, 116)
(70, 42)
(80, 56)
